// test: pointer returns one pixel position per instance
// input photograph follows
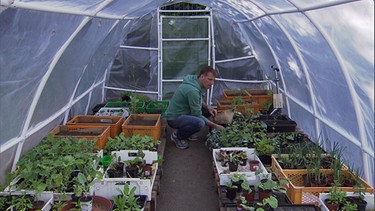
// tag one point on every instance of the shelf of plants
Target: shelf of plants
(224, 172)
(108, 186)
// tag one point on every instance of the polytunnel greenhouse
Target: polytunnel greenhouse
(63, 58)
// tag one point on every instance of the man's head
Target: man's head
(207, 77)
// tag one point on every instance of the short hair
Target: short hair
(207, 69)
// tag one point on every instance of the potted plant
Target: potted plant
(349, 206)
(231, 190)
(266, 186)
(267, 204)
(127, 199)
(336, 197)
(264, 149)
(247, 191)
(237, 179)
(22, 202)
(243, 158)
(82, 190)
(234, 160)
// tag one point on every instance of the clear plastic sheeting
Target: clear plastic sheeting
(60, 58)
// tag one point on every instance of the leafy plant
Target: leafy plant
(246, 187)
(267, 184)
(336, 196)
(127, 200)
(20, 203)
(349, 206)
(135, 142)
(82, 188)
(271, 201)
(49, 166)
(230, 185)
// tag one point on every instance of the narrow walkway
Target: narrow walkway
(187, 183)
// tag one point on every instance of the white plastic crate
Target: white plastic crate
(45, 196)
(369, 198)
(107, 187)
(109, 111)
(251, 177)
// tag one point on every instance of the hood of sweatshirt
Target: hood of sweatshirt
(192, 80)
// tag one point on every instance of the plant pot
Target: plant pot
(263, 194)
(233, 166)
(331, 207)
(265, 159)
(85, 203)
(254, 165)
(250, 197)
(231, 193)
(132, 171)
(243, 162)
(361, 204)
(99, 204)
(147, 169)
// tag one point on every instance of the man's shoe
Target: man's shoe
(181, 144)
(193, 138)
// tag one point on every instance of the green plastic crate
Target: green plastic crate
(141, 106)
(157, 107)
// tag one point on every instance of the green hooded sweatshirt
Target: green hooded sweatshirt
(187, 99)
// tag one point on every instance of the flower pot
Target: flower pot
(249, 196)
(361, 204)
(233, 166)
(231, 193)
(85, 203)
(263, 194)
(243, 162)
(254, 165)
(331, 207)
(132, 171)
(147, 169)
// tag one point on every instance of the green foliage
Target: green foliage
(230, 185)
(348, 206)
(135, 142)
(127, 200)
(243, 131)
(20, 203)
(49, 166)
(82, 187)
(336, 195)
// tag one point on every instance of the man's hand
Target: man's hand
(212, 111)
(218, 127)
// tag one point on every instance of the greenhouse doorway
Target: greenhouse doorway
(185, 43)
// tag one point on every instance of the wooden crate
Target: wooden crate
(143, 124)
(251, 107)
(114, 122)
(92, 132)
(230, 94)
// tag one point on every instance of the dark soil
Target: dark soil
(143, 122)
(77, 133)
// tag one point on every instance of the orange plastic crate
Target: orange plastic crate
(101, 133)
(143, 124)
(251, 107)
(115, 122)
(261, 96)
(233, 93)
(298, 193)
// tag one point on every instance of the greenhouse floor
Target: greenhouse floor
(187, 182)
